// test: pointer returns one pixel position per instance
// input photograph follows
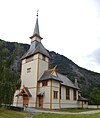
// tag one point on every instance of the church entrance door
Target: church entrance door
(25, 100)
(41, 101)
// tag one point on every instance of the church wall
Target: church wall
(47, 59)
(32, 100)
(82, 104)
(67, 103)
(46, 96)
(18, 100)
(55, 101)
(15, 100)
(43, 65)
(29, 78)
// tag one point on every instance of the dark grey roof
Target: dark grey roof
(36, 47)
(82, 99)
(66, 81)
(47, 75)
(36, 29)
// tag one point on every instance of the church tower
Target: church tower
(34, 63)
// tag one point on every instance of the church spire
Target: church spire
(36, 29)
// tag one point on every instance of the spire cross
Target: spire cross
(37, 13)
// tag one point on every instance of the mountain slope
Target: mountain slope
(87, 79)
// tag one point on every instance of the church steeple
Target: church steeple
(36, 33)
(36, 45)
(36, 29)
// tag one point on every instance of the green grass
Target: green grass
(12, 114)
(15, 114)
(67, 116)
(77, 110)
(71, 110)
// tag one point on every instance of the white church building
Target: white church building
(42, 87)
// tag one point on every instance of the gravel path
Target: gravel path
(35, 111)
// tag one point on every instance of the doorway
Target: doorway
(41, 101)
(25, 101)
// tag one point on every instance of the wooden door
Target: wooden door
(41, 101)
(25, 100)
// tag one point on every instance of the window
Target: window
(60, 92)
(28, 70)
(29, 59)
(67, 93)
(74, 94)
(55, 94)
(43, 57)
(44, 83)
(85, 102)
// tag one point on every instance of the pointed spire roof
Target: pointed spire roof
(36, 29)
(36, 45)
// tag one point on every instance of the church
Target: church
(42, 87)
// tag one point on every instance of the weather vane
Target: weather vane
(37, 13)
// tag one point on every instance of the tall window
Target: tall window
(67, 93)
(55, 94)
(44, 83)
(60, 92)
(74, 94)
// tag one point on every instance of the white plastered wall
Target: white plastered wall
(43, 65)
(29, 79)
(46, 96)
(68, 103)
(55, 87)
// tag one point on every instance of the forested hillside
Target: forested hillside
(10, 54)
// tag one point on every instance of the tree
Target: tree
(9, 80)
(95, 96)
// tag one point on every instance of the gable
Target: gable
(24, 92)
(54, 73)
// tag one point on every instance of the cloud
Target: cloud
(95, 56)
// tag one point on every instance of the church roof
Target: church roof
(47, 75)
(66, 81)
(24, 91)
(36, 47)
(82, 99)
(36, 29)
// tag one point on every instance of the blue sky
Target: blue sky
(68, 27)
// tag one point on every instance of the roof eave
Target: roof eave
(36, 36)
(70, 86)
(49, 79)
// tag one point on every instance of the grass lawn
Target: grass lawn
(15, 114)
(12, 114)
(77, 110)
(42, 115)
